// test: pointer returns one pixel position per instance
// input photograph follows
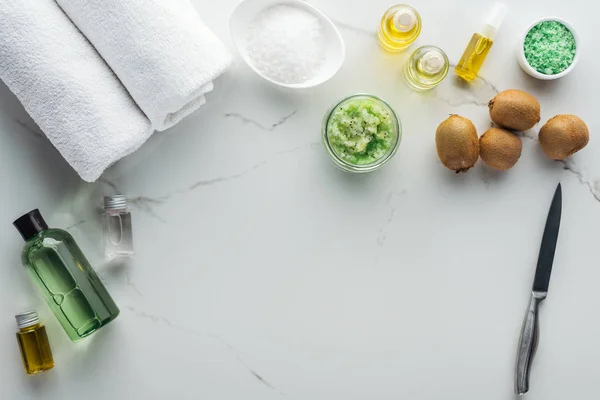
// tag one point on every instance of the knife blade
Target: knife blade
(546, 257)
(530, 331)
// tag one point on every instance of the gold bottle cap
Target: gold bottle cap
(404, 20)
(27, 318)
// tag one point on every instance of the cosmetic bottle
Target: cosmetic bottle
(117, 227)
(480, 44)
(399, 27)
(33, 343)
(65, 278)
(426, 68)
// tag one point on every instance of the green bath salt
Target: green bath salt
(549, 47)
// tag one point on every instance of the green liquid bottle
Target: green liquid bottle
(67, 281)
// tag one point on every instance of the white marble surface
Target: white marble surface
(263, 272)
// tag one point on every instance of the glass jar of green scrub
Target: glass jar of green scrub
(361, 133)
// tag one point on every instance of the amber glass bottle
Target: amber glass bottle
(33, 343)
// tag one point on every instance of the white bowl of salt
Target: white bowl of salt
(289, 43)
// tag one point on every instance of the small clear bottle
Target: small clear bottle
(426, 68)
(118, 230)
(33, 343)
(399, 27)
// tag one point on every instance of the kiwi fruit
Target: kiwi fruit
(563, 135)
(499, 148)
(457, 143)
(515, 109)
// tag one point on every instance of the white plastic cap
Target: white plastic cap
(494, 19)
(432, 62)
(404, 20)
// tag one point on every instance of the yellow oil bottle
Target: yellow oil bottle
(426, 68)
(33, 343)
(480, 44)
(399, 27)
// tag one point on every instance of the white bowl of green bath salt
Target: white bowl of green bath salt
(290, 43)
(549, 49)
(361, 133)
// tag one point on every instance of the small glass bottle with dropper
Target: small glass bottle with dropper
(426, 68)
(399, 27)
(33, 343)
(480, 44)
(118, 230)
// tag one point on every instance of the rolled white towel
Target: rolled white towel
(67, 88)
(161, 50)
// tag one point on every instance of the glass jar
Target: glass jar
(399, 28)
(118, 229)
(33, 343)
(358, 162)
(426, 68)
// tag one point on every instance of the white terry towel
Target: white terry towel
(67, 88)
(161, 51)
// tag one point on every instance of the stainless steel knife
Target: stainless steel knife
(530, 331)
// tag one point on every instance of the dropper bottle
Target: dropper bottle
(399, 27)
(480, 44)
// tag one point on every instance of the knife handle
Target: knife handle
(528, 342)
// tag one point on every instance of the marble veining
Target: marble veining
(147, 204)
(593, 185)
(158, 319)
(272, 127)
(360, 31)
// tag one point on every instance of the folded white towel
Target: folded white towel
(161, 50)
(67, 88)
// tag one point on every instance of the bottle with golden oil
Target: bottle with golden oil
(33, 343)
(400, 26)
(480, 44)
(426, 68)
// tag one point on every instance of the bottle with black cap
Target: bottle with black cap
(65, 277)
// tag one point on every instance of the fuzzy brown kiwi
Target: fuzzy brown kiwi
(457, 143)
(515, 109)
(499, 148)
(563, 135)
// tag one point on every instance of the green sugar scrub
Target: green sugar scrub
(549, 47)
(361, 131)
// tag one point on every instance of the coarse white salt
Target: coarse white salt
(285, 43)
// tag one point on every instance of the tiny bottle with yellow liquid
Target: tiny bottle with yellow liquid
(426, 68)
(33, 343)
(480, 44)
(400, 26)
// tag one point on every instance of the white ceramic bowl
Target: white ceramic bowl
(245, 13)
(523, 61)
